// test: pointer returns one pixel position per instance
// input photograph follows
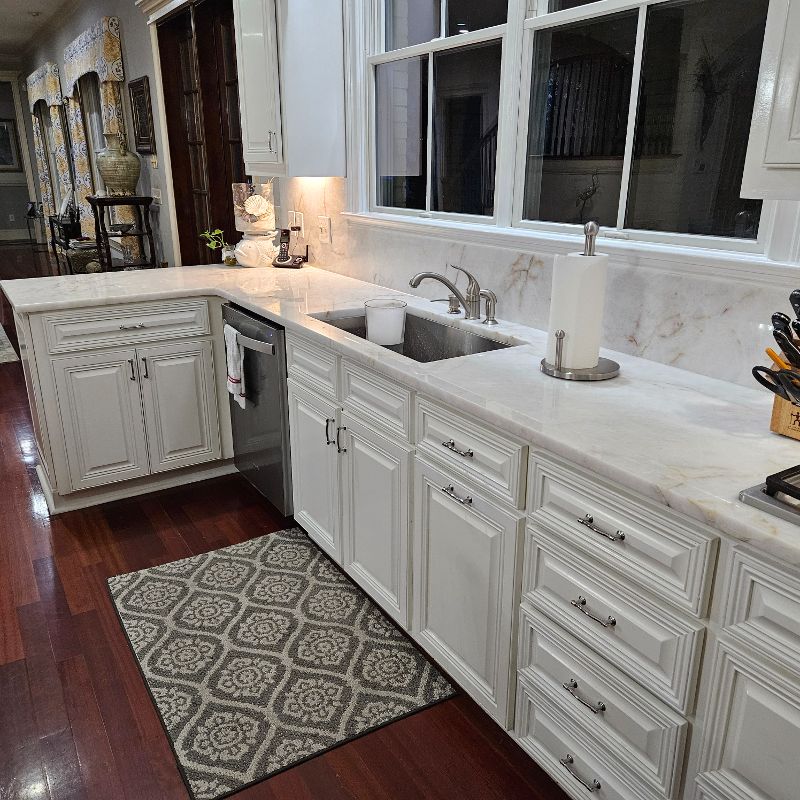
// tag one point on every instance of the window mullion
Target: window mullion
(442, 18)
(429, 137)
(632, 108)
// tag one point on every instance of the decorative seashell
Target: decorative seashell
(256, 205)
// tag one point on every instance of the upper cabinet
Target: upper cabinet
(772, 166)
(290, 60)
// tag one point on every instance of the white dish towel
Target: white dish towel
(234, 357)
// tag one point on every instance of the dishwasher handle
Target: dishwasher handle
(254, 344)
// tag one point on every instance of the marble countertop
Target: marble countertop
(685, 440)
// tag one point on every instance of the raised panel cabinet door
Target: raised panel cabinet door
(464, 576)
(259, 92)
(180, 404)
(375, 518)
(101, 412)
(751, 738)
(315, 445)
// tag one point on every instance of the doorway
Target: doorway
(201, 95)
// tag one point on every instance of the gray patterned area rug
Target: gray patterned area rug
(263, 654)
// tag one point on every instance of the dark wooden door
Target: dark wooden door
(198, 64)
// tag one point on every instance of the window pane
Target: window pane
(464, 16)
(561, 5)
(699, 74)
(466, 104)
(580, 91)
(411, 22)
(401, 132)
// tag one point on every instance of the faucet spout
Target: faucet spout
(470, 312)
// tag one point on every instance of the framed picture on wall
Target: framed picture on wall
(144, 138)
(9, 147)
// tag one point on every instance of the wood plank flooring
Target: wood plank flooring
(75, 718)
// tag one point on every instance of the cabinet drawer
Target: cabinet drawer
(312, 365)
(763, 607)
(494, 460)
(564, 749)
(656, 647)
(631, 724)
(69, 331)
(633, 536)
(376, 400)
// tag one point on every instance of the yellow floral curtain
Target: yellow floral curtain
(44, 86)
(80, 164)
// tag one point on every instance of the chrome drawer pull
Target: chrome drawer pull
(588, 521)
(136, 327)
(451, 445)
(328, 439)
(567, 763)
(451, 492)
(596, 708)
(580, 604)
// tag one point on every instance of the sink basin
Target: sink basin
(425, 340)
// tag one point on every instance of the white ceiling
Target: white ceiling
(18, 26)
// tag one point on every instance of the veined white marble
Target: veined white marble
(688, 441)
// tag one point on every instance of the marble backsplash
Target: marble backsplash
(715, 326)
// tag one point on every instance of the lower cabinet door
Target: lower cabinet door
(180, 404)
(465, 550)
(101, 411)
(751, 739)
(375, 518)
(316, 440)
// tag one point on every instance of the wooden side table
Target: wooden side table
(141, 230)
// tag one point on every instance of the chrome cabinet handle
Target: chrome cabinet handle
(451, 445)
(580, 604)
(146, 370)
(567, 763)
(588, 521)
(133, 369)
(451, 492)
(328, 439)
(596, 708)
(137, 327)
(339, 448)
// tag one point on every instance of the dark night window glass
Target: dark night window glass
(580, 95)
(699, 74)
(464, 16)
(562, 5)
(411, 22)
(465, 109)
(401, 101)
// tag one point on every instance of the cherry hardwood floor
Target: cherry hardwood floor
(75, 718)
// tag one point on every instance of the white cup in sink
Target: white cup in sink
(386, 320)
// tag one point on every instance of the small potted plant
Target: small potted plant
(215, 240)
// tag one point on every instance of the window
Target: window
(634, 113)
(436, 109)
(89, 95)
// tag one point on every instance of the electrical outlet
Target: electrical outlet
(155, 193)
(324, 226)
(12, 218)
(300, 223)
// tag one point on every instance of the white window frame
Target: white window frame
(779, 227)
(91, 111)
(42, 111)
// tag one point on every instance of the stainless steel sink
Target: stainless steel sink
(425, 340)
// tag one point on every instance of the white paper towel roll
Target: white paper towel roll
(576, 307)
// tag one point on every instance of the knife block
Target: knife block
(785, 418)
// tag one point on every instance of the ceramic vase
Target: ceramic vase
(118, 167)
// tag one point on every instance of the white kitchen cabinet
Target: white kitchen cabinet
(259, 85)
(375, 515)
(180, 404)
(772, 165)
(751, 743)
(290, 62)
(315, 448)
(101, 413)
(464, 560)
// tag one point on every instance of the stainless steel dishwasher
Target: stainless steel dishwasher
(261, 428)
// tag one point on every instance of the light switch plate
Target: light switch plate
(299, 222)
(324, 226)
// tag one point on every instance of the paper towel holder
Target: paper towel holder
(605, 369)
